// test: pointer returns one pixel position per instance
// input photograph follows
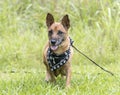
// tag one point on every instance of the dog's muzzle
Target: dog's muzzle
(55, 43)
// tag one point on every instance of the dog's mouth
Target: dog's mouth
(54, 47)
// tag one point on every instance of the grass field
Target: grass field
(95, 29)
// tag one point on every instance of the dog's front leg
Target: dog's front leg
(68, 76)
(50, 76)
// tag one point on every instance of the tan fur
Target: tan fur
(66, 68)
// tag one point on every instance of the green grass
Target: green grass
(95, 29)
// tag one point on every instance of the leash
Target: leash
(92, 60)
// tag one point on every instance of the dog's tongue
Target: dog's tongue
(54, 47)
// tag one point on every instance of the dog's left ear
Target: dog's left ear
(49, 20)
(66, 22)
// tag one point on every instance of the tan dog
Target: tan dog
(58, 51)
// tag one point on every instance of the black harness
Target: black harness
(56, 61)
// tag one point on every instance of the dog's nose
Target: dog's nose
(53, 41)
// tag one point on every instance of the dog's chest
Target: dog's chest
(56, 62)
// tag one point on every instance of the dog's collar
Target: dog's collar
(56, 61)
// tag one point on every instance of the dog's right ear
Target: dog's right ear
(49, 20)
(66, 22)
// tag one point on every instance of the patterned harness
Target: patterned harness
(56, 61)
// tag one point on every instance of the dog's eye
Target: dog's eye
(50, 32)
(60, 32)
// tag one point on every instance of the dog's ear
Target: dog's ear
(66, 22)
(49, 20)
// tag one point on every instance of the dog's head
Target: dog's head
(57, 32)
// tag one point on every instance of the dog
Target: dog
(58, 52)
